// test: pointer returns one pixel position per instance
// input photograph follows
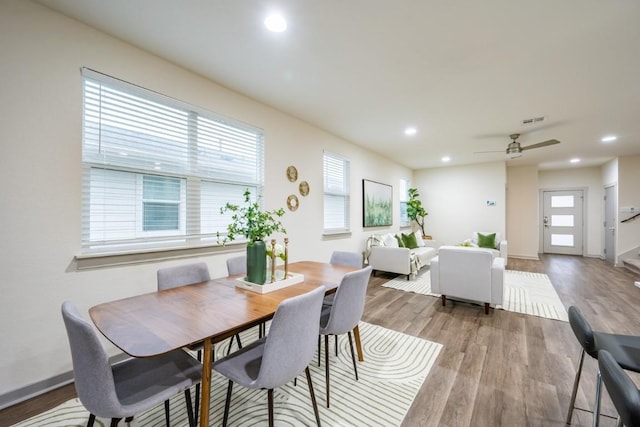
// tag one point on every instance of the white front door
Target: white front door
(562, 222)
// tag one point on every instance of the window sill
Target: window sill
(96, 260)
(330, 235)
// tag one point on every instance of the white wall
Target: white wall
(591, 180)
(522, 211)
(456, 200)
(40, 179)
(628, 195)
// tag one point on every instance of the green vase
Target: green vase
(256, 262)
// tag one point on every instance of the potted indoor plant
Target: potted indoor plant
(255, 225)
(415, 210)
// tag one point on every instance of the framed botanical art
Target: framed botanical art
(377, 201)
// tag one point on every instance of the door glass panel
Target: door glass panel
(562, 220)
(562, 239)
(561, 201)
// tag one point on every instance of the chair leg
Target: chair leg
(187, 398)
(238, 341)
(353, 355)
(226, 404)
(444, 300)
(128, 419)
(92, 419)
(230, 344)
(576, 381)
(115, 421)
(336, 345)
(326, 365)
(319, 348)
(486, 308)
(270, 400)
(596, 409)
(166, 412)
(313, 396)
(196, 407)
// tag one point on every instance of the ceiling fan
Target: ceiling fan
(514, 149)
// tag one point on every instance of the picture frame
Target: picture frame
(377, 204)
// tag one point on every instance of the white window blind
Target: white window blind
(156, 171)
(404, 197)
(336, 194)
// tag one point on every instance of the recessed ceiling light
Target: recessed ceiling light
(609, 138)
(446, 159)
(275, 23)
(410, 131)
(576, 160)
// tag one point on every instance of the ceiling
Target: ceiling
(465, 74)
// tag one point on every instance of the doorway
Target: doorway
(562, 222)
(610, 221)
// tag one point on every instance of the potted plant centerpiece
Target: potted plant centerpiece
(415, 210)
(255, 225)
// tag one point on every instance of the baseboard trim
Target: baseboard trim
(38, 388)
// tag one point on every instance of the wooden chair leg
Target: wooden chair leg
(326, 365)
(197, 398)
(166, 412)
(486, 308)
(187, 399)
(353, 356)
(270, 399)
(313, 396)
(226, 404)
(444, 300)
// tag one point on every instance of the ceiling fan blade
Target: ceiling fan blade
(484, 152)
(541, 144)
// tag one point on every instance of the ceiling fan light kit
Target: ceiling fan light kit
(514, 149)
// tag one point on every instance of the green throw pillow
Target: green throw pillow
(400, 242)
(409, 240)
(487, 240)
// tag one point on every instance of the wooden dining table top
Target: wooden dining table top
(158, 322)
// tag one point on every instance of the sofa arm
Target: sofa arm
(503, 250)
(391, 259)
(435, 275)
(497, 280)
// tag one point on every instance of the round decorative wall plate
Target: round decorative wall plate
(292, 173)
(304, 188)
(292, 202)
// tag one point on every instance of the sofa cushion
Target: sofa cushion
(409, 241)
(400, 241)
(487, 240)
(390, 240)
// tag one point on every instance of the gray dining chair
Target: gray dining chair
(624, 349)
(237, 265)
(128, 388)
(344, 314)
(622, 390)
(280, 356)
(350, 259)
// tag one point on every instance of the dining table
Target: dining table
(155, 323)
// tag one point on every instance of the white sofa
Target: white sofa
(384, 254)
(500, 249)
(468, 273)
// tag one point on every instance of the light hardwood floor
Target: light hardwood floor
(501, 369)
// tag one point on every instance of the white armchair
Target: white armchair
(468, 273)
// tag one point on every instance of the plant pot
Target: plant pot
(256, 262)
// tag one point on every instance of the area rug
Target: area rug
(391, 375)
(524, 292)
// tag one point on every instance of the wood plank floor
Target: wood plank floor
(501, 369)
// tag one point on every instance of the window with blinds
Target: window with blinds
(156, 171)
(404, 198)
(336, 194)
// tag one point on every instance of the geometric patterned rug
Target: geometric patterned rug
(390, 377)
(524, 292)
